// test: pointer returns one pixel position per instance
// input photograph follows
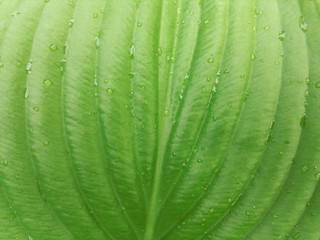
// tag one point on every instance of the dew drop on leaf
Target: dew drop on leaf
(266, 27)
(29, 66)
(53, 47)
(317, 175)
(16, 13)
(95, 15)
(307, 80)
(47, 82)
(304, 168)
(210, 60)
(131, 74)
(71, 21)
(139, 24)
(318, 85)
(36, 109)
(97, 41)
(132, 51)
(5, 163)
(274, 215)
(46, 143)
(296, 236)
(302, 24)
(26, 93)
(109, 90)
(303, 121)
(282, 35)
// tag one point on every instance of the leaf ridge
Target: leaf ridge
(281, 188)
(200, 131)
(49, 207)
(69, 156)
(111, 181)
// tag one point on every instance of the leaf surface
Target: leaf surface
(159, 119)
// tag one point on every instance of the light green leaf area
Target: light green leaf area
(159, 119)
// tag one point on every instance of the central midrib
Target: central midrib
(154, 206)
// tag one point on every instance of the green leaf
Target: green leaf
(158, 120)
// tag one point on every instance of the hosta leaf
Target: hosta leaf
(162, 119)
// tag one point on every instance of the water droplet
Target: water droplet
(109, 90)
(95, 15)
(1, 65)
(5, 163)
(139, 24)
(304, 168)
(131, 74)
(53, 47)
(47, 82)
(36, 109)
(211, 210)
(71, 21)
(274, 215)
(253, 57)
(210, 60)
(302, 24)
(132, 51)
(307, 80)
(131, 94)
(166, 113)
(229, 200)
(159, 51)
(303, 121)
(191, 12)
(206, 21)
(62, 64)
(282, 35)
(317, 175)
(15, 13)
(97, 40)
(266, 27)
(248, 213)
(17, 176)
(227, 70)
(29, 66)
(199, 160)
(296, 236)
(46, 143)
(26, 93)
(318, 85)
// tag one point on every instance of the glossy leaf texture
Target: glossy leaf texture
(164, 119)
